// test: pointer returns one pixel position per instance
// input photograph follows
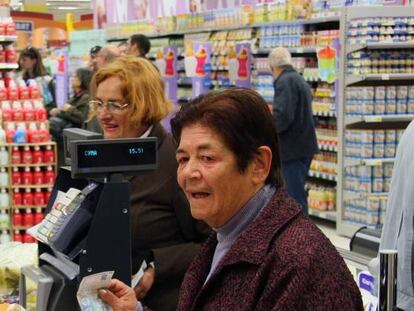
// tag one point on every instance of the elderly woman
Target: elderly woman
(129, 101)
(264, 254)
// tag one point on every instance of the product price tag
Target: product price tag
(373, 119)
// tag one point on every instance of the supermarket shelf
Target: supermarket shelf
(51, 143)
(31, 186)
(327, 147)
(368, 162)
(381, 45)
(28, 206)
(33, 165)
(296, 50)
(328, 215)
(353, 79)
(380, 118)
(322, 175)
(8, 66)
(322, 113)
(319, 20)
(352, 195)
(4, 39)
(21, 227)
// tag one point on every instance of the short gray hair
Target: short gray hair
(280, 57)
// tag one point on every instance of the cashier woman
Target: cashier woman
(128, 101)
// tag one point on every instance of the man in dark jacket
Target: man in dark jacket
(138, 45)
(292, 111)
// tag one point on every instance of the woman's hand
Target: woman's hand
(53, 112)
(145, 284)
(119, 296)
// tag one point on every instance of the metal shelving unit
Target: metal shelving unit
(369, 122)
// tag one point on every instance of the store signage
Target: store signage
(366, 284)
(244, 59)
(166, 62)
(198, 63)
(24, 26)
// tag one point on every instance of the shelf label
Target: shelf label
(299, 50)
(385, 77)
(373, 119)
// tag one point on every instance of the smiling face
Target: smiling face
(114, 124)
(208, 174)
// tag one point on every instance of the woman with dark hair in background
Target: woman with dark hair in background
(31, 64)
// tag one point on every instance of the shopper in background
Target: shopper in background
(292, 111)
(138, 45)
(93, 53)
(129, 101)
(106, 55)
(264, 254)
(398, 229)
(32, 67)
(75, 111)
(123, 47)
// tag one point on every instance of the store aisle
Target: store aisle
(329, 230)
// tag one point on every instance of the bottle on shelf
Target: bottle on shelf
(10, 27)
(49, 177)
(27, 198)
(20, 135)
(34, 90)
(33, 135)
(4, 220)
(17, 218)
(2, 28)
(47, 195)
(27, 176)
(2, 135)
(16, 156)
(38, 217)
(6, 112)
(4, 177)
(38, 177)
(28, 218)
(28, 111)
(27, 156)
(4, 199)
(27, 238)
(23, 90)
(17, 197)
(4, 237)
(4, 155)
(17, 236)
(11, 57)
(12, 92)
(37, 156)
(44, 134)
(49, 155)
(10, 131)
(3, 90)
(38, 198)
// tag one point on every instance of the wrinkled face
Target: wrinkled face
(27, 63)
(208, 174)
(114, 122)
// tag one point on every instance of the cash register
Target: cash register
(90, 234)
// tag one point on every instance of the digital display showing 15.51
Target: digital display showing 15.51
(121, 154)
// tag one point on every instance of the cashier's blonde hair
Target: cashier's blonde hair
(143, 89)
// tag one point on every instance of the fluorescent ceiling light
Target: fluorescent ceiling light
(67, 7)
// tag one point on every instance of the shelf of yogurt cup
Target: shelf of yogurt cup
(381, 45)
(327, 147)
(328, 215)
(368, 162)
(322, 175)
(353, 195)
(379, 118)
(324, 113)
(354, 79)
